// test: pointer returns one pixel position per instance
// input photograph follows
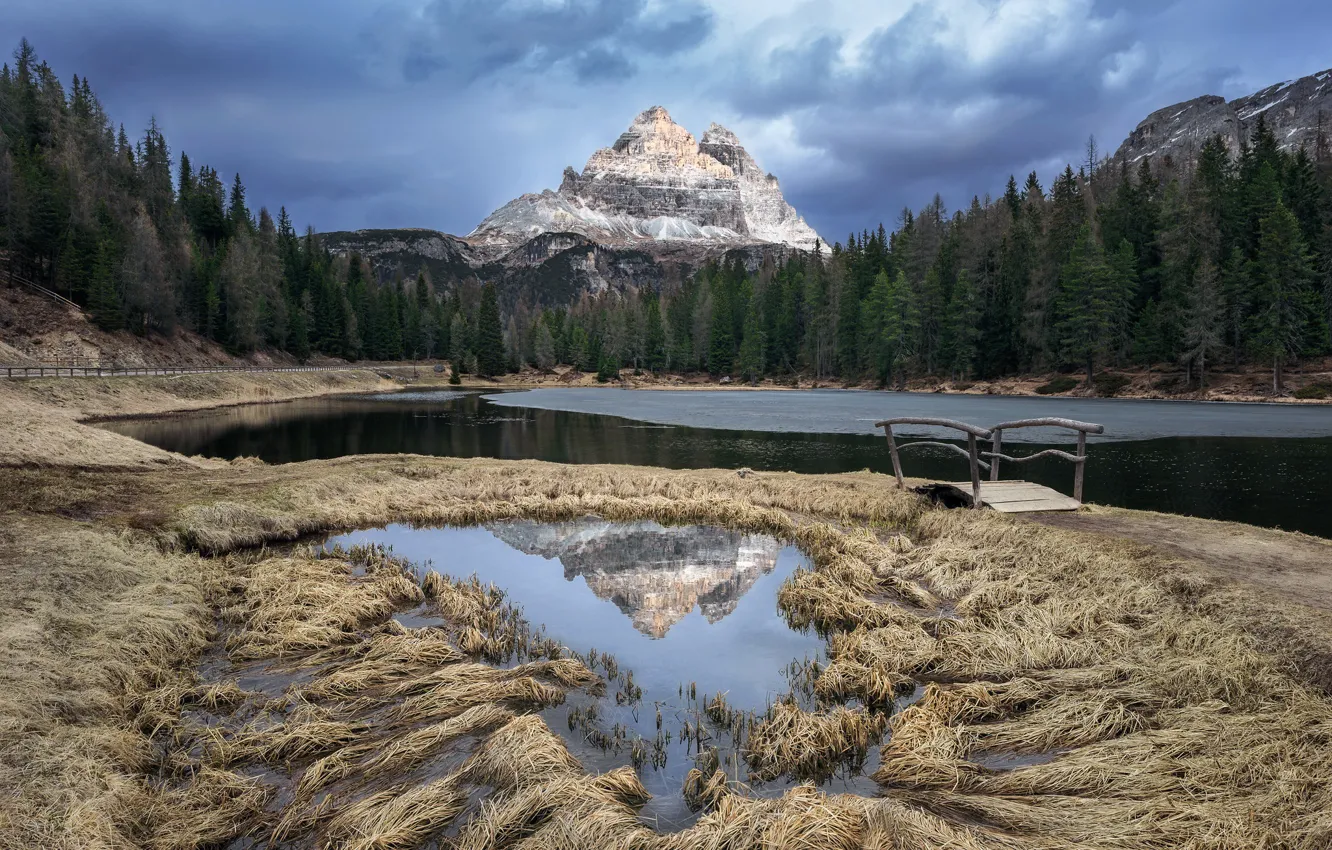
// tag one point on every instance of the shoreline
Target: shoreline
(151, 558)
(1017, 387)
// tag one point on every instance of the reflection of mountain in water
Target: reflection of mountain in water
(654, 574)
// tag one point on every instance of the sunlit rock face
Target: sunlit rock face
(656, 184)
(656, 575)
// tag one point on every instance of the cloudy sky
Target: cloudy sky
(431, 113)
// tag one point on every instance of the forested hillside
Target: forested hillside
(1207, 263)
(147, 241)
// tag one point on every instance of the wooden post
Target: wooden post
(975, 472)
(996, 446)
(897, 463)
(1080, 467)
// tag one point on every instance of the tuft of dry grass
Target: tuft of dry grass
(1154, 716)
(809, 744)
(397, 818)
(214, 807)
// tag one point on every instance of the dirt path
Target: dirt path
(1294, 566)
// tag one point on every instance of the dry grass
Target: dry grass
(1160, 718)
(398, 818)
(40, 417)
(808, 744)
(90, 622)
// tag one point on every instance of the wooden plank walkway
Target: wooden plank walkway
(1017, 497)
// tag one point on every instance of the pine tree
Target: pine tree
(1204, 322)
(1086, 304)
(721, 340)
(750, 361)
(654, 334)
(299, 342)
(963, 326)
(104, 298)
(901, 328)
(1283, 274)
(873, 317)
(458, 339)
(238, 216)
(490, 356)
(1237, 297)
(544, 347)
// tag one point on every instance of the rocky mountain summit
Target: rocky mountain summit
(656, 184)
(646, 212)
(1296, 111)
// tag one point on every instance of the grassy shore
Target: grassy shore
(1159, 699)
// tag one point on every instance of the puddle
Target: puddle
(670, 616)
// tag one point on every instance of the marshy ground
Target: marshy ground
(178, 675)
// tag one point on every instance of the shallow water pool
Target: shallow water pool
(682, 613)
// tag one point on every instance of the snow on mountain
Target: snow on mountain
(1295, 110)
(656, 184)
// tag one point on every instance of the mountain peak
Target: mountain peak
(657, 184)
(1292, 109)
(718, 135)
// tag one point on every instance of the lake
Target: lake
(1261, 464)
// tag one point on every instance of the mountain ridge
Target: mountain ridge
(1297, 111)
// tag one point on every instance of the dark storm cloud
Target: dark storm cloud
(470, 40)
(917, 116)
(432, 112)
(914, 116)
(136, 49)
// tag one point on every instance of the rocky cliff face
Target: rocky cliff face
(656, 575)
(656, 185)
(1294, 110)
(645, 212)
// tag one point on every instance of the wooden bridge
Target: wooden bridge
(1004, 496)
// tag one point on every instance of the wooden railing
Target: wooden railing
(38, 288)
(973, 457)
(109, 371)
(1079, 460)
(995, 436)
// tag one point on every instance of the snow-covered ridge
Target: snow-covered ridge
(656, 183)
(1292, 109)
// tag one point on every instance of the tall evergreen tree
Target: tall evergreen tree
(1204, 325)
(1283, 274)
(721, 335)
(490, 355)
(750, 360)
(963, 328)
(1087, 305)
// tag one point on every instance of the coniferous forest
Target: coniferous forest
(1217, 262)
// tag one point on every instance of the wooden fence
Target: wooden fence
(109, 371)
(995, 436)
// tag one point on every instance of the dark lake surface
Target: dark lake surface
(687, 609)
(1261, 464)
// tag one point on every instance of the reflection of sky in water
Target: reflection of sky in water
(743, 653)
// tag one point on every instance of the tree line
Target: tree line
(1215, 258)
(149, 242)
